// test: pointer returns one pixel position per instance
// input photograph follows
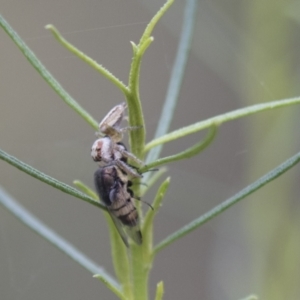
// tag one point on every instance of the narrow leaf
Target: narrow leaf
(177, 74)
(85, 189)
(48, 179)
(220, 119)
(250, 297)
(188, 153)
(229, 202)
(117, 291)
(46, 74)
(159, 291)
(120, 258)
(119, 251)
(148, 221)
(151, 181)
(154, 20)
(87, 59)
(48, 234)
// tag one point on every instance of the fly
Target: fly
(113, 189)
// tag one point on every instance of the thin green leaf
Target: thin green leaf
(48, 179)
(177, 74)
(48, 234)
(250, 297)
(119, 251)
(117, 291)
(87, 59)
(151, 181)
(229, 202)
(46, 74)
(120, 258)
(148, 220)
(85, 189)
(188, 153)
(218, 120)
(154, 20)
(159, 291)
(134, 47)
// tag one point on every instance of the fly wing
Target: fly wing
(119, 227)
(104, 179)
(123, 209)
(134, 232)
(114, 193)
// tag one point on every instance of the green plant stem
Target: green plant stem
(220, 119)
(136, 118)
(45, 232)
(229, 202)
(87, 59)
(142, 256)
(46, 74)
(48, 179)
(177, 74)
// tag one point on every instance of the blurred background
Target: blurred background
(243, 53)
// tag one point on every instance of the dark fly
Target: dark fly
(113, 188)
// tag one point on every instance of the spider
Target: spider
(109, 149)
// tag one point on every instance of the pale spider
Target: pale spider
(109, 149)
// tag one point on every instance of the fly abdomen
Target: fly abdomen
(124, 210)
(112, 186)
(130, 218)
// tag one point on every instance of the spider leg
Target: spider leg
(129, 155)
(127, 169)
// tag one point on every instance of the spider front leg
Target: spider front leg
(127, 168)
(125, 153)
(106, 152)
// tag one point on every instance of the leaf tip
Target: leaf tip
(49, 26)
(100, 277)
(134, 46)
(159, 290)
